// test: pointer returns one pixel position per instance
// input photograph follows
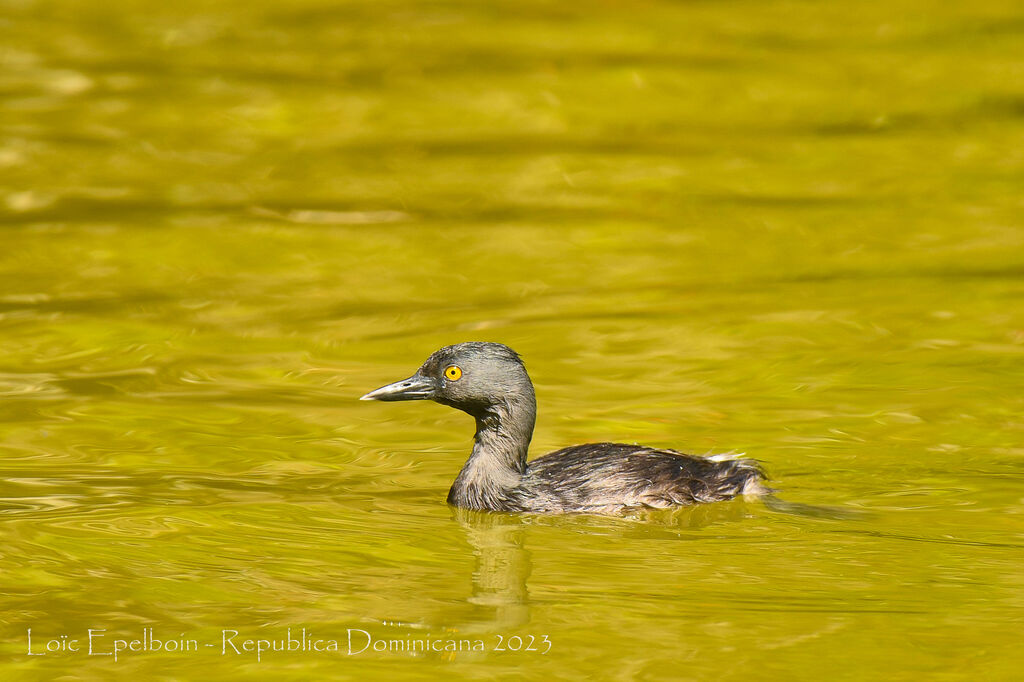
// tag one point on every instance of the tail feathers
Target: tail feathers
(754, 484)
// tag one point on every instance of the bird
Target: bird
(489, 382)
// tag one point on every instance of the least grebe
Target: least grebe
(489, 382)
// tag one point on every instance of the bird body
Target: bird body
(489, 382)
(608, 477)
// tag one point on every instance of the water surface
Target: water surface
(792, 230)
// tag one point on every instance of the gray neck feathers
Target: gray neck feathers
(498, 461)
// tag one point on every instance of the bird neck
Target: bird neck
(498, 461)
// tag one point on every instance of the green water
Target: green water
(792, 229)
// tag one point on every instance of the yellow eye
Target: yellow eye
(453, 373)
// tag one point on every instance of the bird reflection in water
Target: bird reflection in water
(503, 564)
